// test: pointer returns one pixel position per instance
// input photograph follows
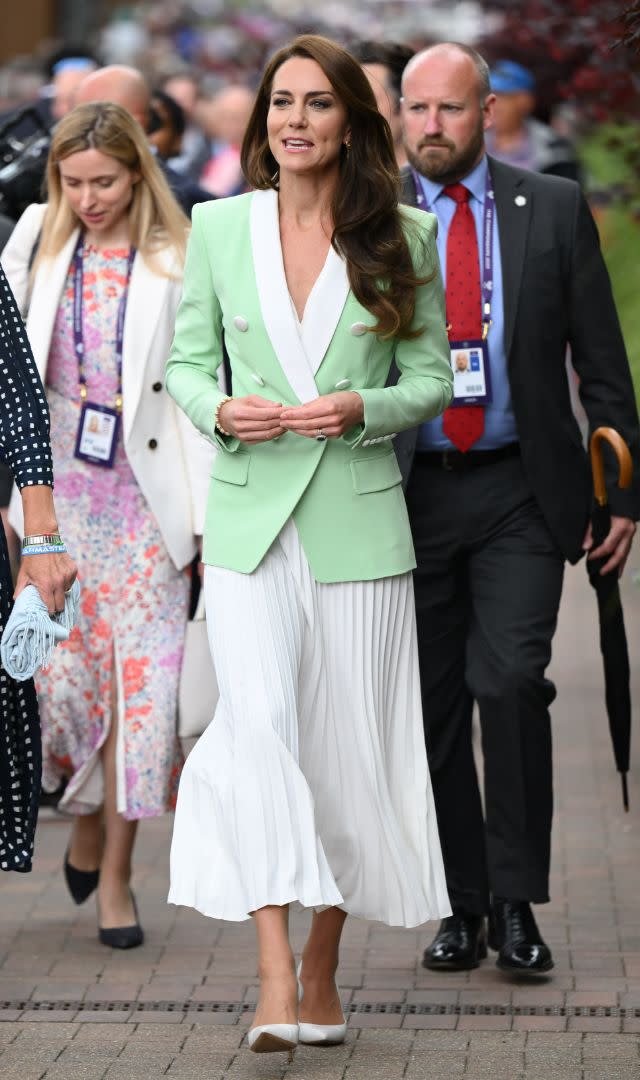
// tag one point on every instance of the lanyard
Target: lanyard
(486, 265)
(78, 333)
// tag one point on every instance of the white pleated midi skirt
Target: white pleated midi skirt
(311, 783)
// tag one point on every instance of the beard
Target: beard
(449, 164)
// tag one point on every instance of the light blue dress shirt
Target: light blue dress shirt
(499, 421)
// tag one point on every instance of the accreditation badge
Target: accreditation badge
(97, 434)
(470, 367)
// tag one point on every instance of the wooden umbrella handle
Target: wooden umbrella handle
(625, 464)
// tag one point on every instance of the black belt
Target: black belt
(456, 461)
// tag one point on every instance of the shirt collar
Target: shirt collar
(475, 182)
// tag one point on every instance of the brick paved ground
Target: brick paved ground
(179, 1006)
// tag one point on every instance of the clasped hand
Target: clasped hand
(254, 419)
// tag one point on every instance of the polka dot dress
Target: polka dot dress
(24, 446)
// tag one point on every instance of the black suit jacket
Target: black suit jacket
(556, 293)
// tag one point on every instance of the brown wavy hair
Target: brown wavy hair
(369, 229)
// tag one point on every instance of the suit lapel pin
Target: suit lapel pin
(520, 200)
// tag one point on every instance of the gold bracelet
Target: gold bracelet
(216, 416)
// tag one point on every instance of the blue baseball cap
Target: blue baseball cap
(74, 63)
(507, 77)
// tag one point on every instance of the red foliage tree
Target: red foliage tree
(583, 51)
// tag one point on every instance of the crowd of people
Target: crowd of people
(311, 334)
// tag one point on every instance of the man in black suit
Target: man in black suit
(499, 495)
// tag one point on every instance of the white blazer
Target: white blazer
(171, 461)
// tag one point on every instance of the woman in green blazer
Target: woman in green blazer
(311, 783)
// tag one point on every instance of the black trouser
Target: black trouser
(488, 586)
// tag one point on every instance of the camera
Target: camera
(24, 147)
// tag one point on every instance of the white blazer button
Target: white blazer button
(358, 329)
(241, 324)
(257, 378)
(343, 384)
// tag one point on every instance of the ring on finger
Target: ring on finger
(320, 435)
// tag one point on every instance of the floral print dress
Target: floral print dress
(134, 601)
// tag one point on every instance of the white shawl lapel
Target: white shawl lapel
(324, 308)
(45, 300)
(147, 296)
(324, 305)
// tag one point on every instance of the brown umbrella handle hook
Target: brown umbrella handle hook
(625, 464)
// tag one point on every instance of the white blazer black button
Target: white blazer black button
(152, 444)
(157, 386)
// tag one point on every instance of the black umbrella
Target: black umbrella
(613, 638)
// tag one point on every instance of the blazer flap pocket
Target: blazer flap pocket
(375, 473)
(232, 467)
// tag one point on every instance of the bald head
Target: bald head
(460, 60)
(120, 85)
(446, 107)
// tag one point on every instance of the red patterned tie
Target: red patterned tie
(464, 424)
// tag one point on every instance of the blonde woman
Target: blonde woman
(99, 269)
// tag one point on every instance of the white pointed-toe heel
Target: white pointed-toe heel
(273, 1038)
(319, 1034)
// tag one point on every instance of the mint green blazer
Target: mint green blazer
(345, 495)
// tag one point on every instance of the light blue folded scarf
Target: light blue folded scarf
(31, 633)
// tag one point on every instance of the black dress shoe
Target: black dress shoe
(80, 883)
(123, 937)
(459, 945)
(514, 935)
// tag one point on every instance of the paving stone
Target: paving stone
(387, 1070)
(8, 1032)
(205, 1060)
(433, 1071)
(540, 1023)
(376, 1020)
(216, 1019)
(202, 1035)
(594, 1023)
(23, 1071)
(35, 1016)
(125, 1072)
(621, 1048)
(178, 1071)
(563, 1073)
(484, 1023)
(113, 991)
(489, 1065)
(613, 1072)
(147, 1029)
(429, 1042)
(87, 1071)
(425, 1021)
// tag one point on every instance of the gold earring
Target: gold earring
(347, 146)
